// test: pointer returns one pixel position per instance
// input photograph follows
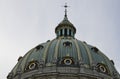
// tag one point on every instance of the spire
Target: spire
(66, 9)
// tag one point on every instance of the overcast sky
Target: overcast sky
(27, 23)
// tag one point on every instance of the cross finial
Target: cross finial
(66, 9)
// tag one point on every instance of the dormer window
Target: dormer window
(39, 47)
(94, 49)
(67, 44)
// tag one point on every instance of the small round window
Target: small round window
(67, 61)
(102, 68)
(32, 65)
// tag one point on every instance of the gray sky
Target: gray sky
(27, 23)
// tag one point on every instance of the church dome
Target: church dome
(64, 57)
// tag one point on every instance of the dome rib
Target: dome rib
(89, 54)
(57, 48)
(84, 54)
(78, 50)
(46, 51)
(51, 52)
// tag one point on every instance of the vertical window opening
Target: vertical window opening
(69, 32)
(61, 32)
(65, 32)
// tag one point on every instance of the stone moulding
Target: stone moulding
(64, 71)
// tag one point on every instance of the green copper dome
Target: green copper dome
(65, 52)
(64, 57)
